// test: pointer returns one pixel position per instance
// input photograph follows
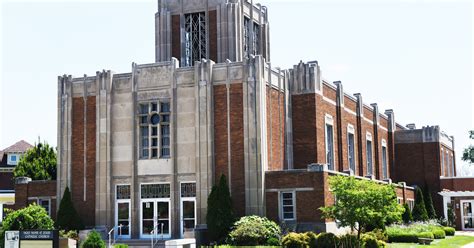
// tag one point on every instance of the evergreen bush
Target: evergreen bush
(294, 240)
(220, 216)
(67, 217)
(406, 216)
(419, 210)
(430, 210)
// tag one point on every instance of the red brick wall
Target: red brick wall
(275, 129)
(307, 202)
(419, 164)
(457, 184)
(176, 37)
(237, 148)
(6, 181)
(382, 135)
(213, 35)
(304, 130)
(46, 189)
(86, 209)
(220, 131)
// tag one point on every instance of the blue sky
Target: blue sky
(411, 56)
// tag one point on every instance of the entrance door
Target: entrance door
(155, 213)
(122, 218)
(467, 215)
(188, 217)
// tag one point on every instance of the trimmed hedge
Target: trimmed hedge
(403, 238)
(439, 234)
(294, 240)
(449, 231)
(426, 235)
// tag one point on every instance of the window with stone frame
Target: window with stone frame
(254, 39)
(351, 147)
(154, 129)
(195, 37)
(369, 154)
(384, 160)
(287, 205)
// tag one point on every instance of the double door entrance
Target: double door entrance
(467, 217)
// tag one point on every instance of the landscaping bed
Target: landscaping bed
(451, 242)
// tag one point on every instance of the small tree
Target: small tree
(362, 203)
(419, 210)
(406, 216)
(468, 153)
(430, 210)
(68, 218)
(38, 163)
(28, 218)
(220, 216)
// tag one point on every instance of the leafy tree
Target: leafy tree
(68, 218)
(38, 163)
(419, 210)
(362, 203)
(220, 215)
(430, 210)
(406, 216)
(468, 154)
(28, 218)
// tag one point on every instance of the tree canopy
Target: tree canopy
(28, 218)
(361, 203)
(468, 154)
(38, 163)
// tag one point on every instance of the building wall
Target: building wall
(6, 181)
(457, 184)
(27, 193)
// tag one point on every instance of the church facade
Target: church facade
(143, 149)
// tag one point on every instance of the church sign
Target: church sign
(32, 239)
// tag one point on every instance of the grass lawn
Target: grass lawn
(451, 241)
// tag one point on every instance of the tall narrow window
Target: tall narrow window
(448, 165)
(254, 39)
(350, 147)
(442, 163)
(287, 205)
(194, 37)
(452, 166)
(384, 160)
(369, 155)
(329, 143)
(154, 122)
(246, 35)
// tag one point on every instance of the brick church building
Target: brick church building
(143, 148)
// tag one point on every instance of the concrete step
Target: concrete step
(139, 243)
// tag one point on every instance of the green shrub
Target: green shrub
(68, 218)
(349, 240)
(28, 218)
(69, 234)
(120, 246)
(93, 240)
(253, 230)
(449, 231)
(426, 235)
(294, 240)
(327, 240)
(369, 242)
(439, 234)
(273, 242)
(311, 239)
(430, 210)
(402, 237)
